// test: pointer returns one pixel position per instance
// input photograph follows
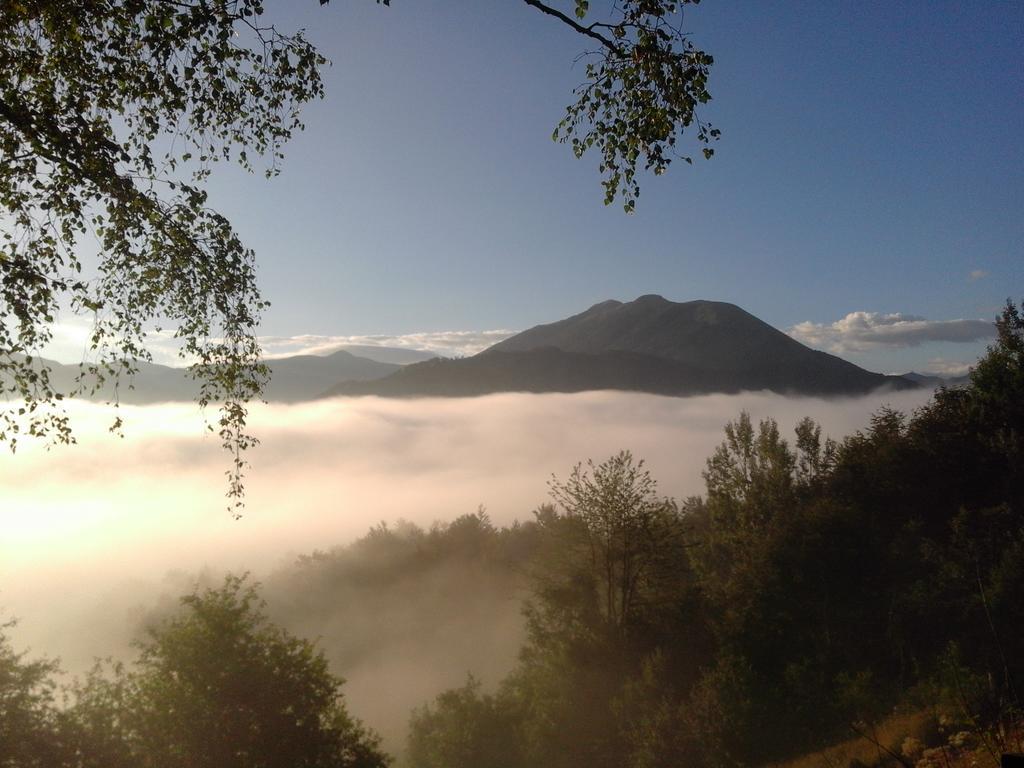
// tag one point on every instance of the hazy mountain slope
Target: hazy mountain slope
(397, 355)
(927, 380)
(553, 370)
(293, 379)
(649, 345)
(305, 376)
(539, 370)
(151, 384)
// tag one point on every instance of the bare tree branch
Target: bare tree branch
(588, 31)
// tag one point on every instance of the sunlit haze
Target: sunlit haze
(457, 311)
(93, 530)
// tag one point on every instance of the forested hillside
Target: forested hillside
(816, 589)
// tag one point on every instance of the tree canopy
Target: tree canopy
(27, 693)
(112, 114)
(216, 685)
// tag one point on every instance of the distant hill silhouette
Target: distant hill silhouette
(930, 380)
(647, 345)
(301, 377)
(293, 379)
(398, 355)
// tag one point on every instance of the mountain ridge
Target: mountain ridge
(293, 379)
(650, 344)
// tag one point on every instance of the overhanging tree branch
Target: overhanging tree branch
(588, 31)
(642, 91)
(88, 94)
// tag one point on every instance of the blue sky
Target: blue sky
(871, 161)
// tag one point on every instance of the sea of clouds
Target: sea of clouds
(91, 532)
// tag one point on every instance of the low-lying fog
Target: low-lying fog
(91, 532)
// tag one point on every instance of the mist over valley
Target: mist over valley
(105, 532)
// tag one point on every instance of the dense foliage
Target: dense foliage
(111, 114)
(214, 685)
(27, 713)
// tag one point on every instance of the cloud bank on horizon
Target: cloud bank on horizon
(442, 343)
(326, 471)
(72, 334)
(865, 331)
(940, 366)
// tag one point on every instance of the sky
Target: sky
(869, 174)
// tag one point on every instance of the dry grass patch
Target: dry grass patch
(862, 752)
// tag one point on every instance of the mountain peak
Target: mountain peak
(649, 344)
(691, 332)
(707, 335)
(604, 305)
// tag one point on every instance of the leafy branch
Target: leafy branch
(642, 91)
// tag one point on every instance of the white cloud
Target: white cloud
(860, 331)
(444, 343)
(70, 343)
(942, 367)
(326, 471)
(977, 274)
